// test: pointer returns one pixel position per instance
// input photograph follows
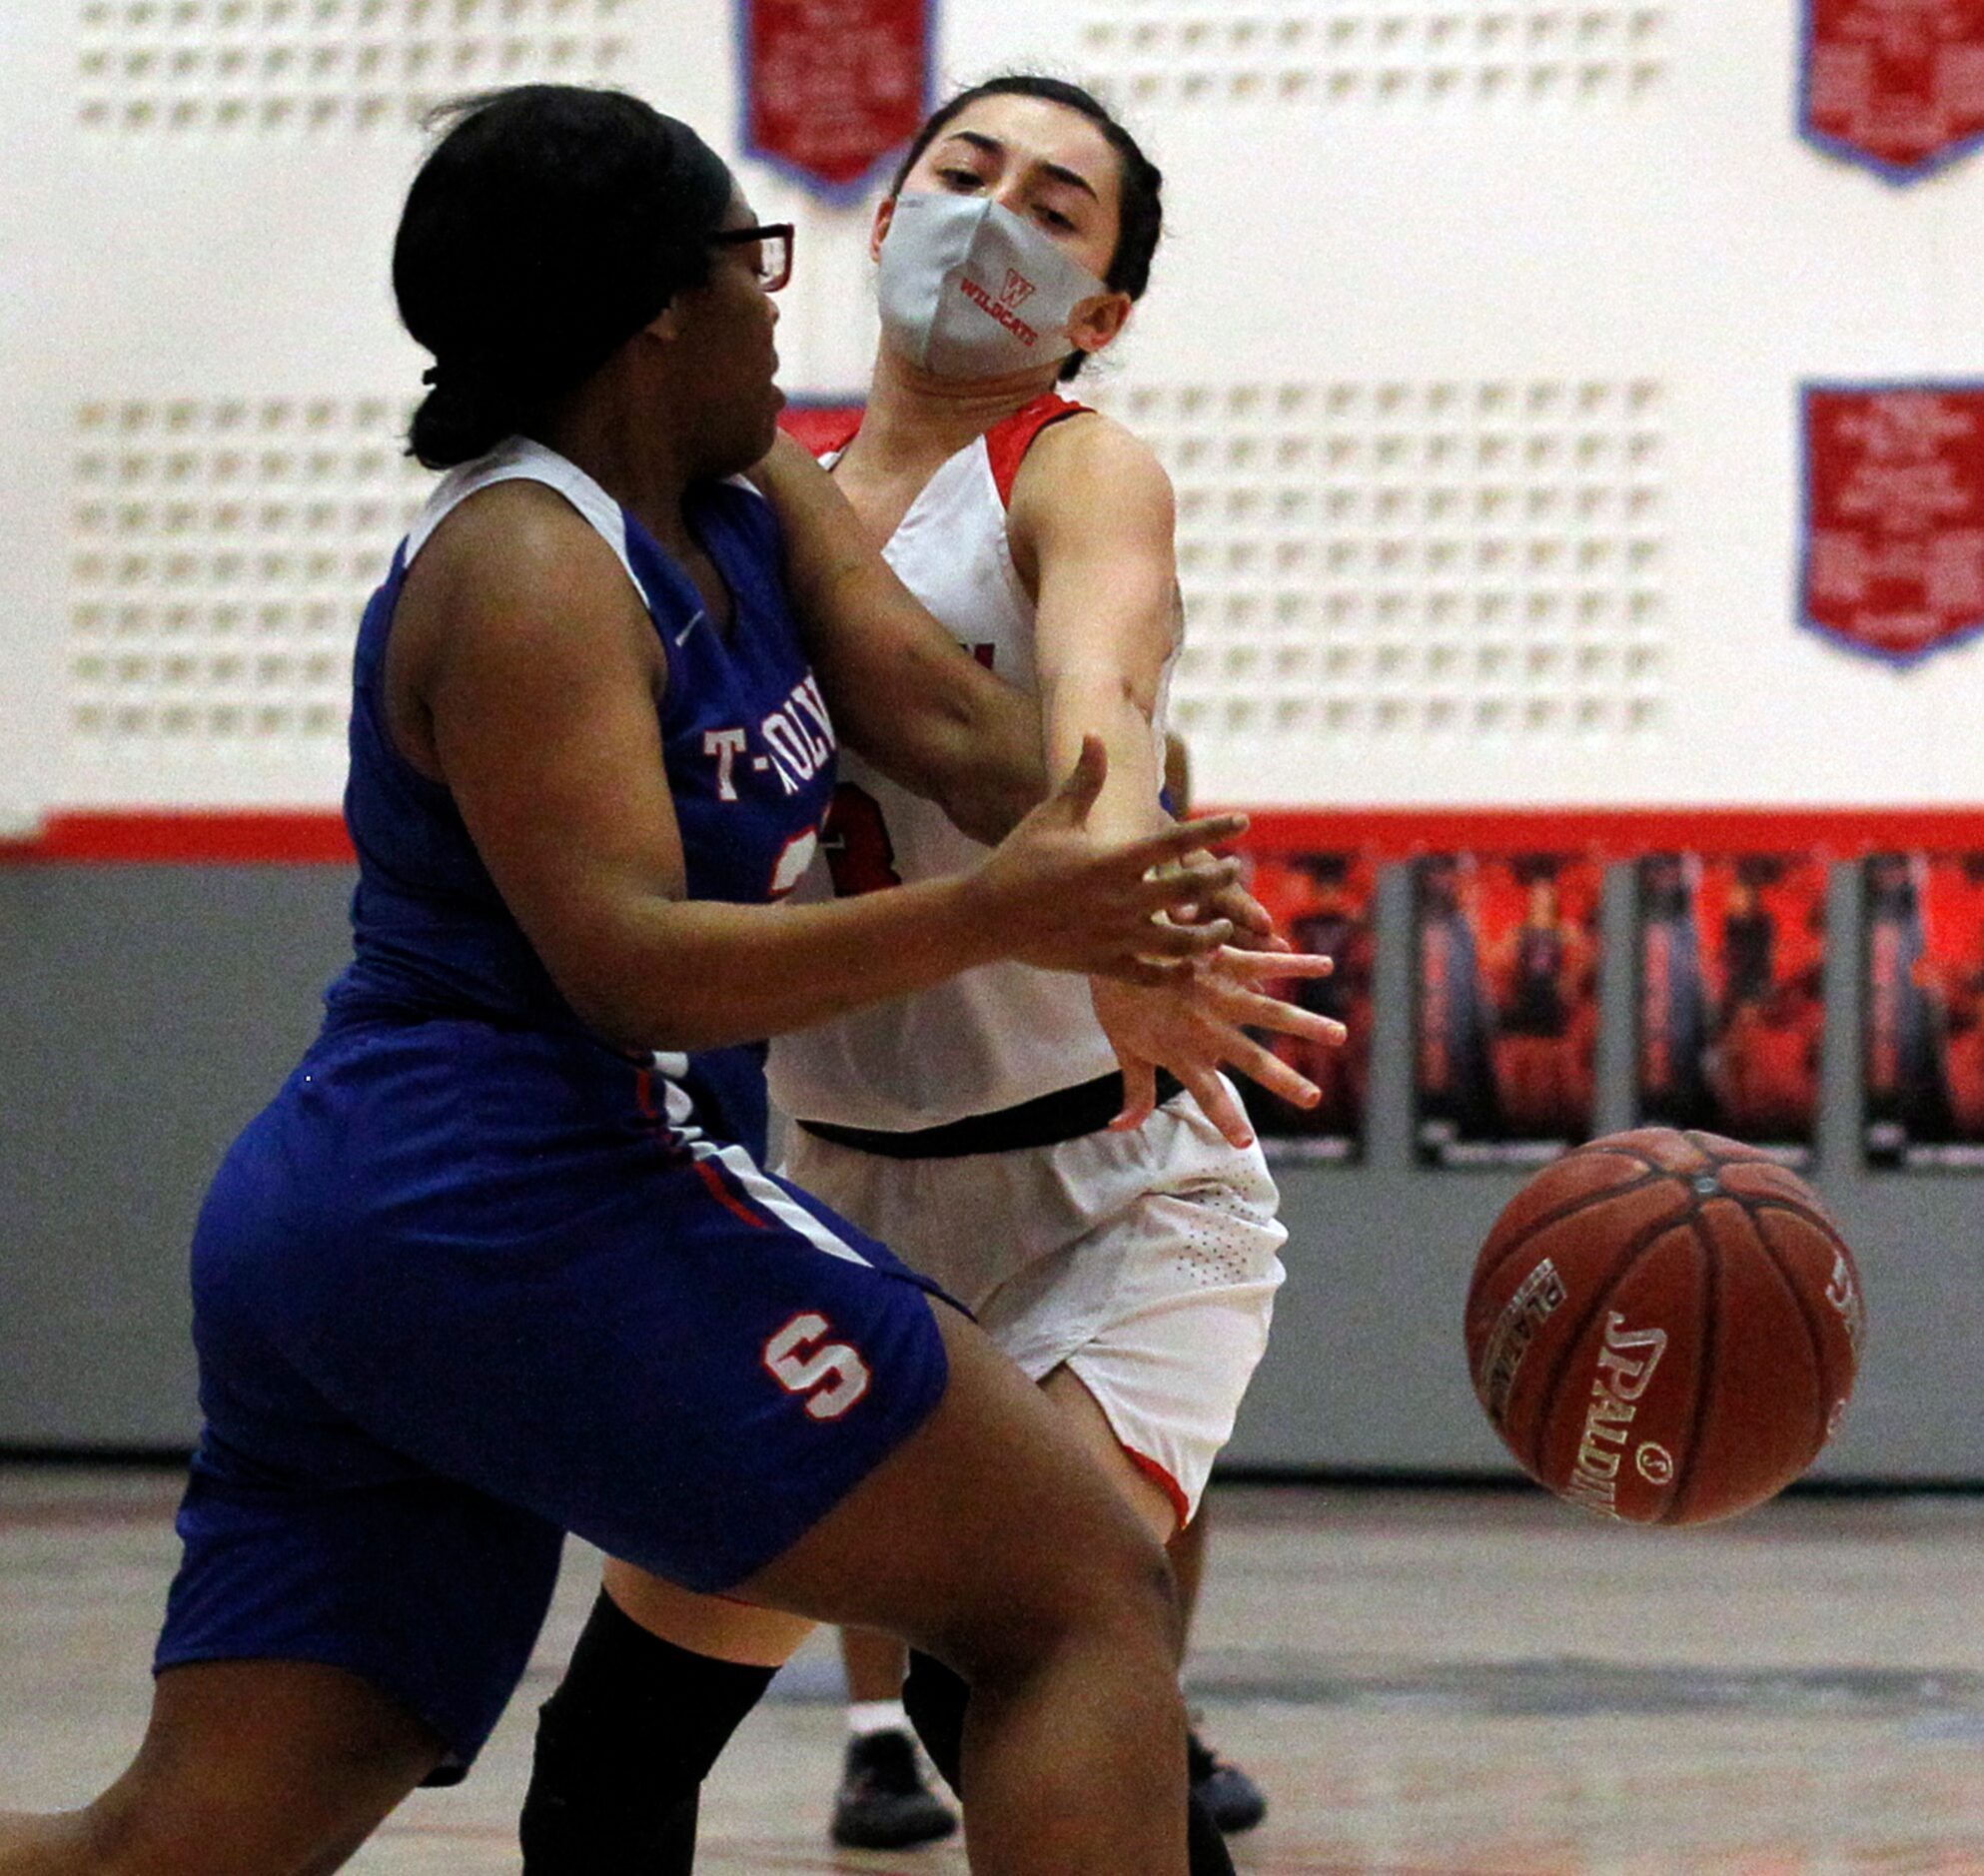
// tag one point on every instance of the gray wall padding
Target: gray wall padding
(147, 1012)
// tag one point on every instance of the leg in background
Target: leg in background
(1187, 1550)
(1232, 1799)
(884, 1801)
(874, 1663)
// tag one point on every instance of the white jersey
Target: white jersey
(1003, 1033)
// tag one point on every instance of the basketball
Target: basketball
(1665, 1327)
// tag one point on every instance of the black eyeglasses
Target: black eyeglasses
(772, 264)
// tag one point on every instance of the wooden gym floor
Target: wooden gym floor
(1427, 1685)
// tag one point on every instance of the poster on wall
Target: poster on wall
(1731, 984)
(1922, 1010)
(1322, 901)
(1895, 85)
(832, 89)
(1893, 554)
(1506, 951)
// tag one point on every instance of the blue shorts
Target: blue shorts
(458, 1290)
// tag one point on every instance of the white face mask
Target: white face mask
(970, 290)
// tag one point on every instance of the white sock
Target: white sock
(865, 1718)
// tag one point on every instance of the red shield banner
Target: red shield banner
(1894, 515)
(1897, 85)
(833, 87)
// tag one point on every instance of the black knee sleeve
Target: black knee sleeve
(623, 1746)
(1204, 1844)
(935, 1699)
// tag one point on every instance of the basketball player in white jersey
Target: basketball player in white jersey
(1044, 542)
(1008, 1131)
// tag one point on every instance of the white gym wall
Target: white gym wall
(1474, 349)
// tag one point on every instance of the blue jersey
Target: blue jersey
(475, 1277)
(746, 744)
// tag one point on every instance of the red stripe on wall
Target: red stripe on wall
(275, 837)
(1399, 833)
(299, 838)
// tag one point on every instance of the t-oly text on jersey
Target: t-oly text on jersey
(793, 742)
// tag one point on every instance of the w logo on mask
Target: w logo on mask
(1017, 289)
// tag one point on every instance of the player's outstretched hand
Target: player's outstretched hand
(1196, 1025)
(1066, 902)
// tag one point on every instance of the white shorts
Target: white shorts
(1143, 1262)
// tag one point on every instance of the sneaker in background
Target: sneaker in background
(884, 1801)
(1236, 1802)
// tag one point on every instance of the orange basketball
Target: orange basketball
(1664, 1328)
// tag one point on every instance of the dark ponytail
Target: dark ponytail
(457, 422)
(546, 227)
(1140, 222)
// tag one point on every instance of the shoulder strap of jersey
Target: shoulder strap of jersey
(522, 458)
(1008, 440)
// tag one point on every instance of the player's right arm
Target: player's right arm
(533, 672)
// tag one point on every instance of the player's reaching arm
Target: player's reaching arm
(1091, 526)
(902, 691)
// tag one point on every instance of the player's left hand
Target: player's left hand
(1197, 1025)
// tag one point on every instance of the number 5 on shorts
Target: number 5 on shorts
(832, 1376)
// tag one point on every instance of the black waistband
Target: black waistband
(1066, 1114)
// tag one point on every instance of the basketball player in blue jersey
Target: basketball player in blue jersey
(1008, 1128)
(480, 1274)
